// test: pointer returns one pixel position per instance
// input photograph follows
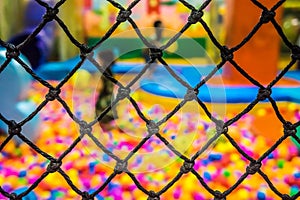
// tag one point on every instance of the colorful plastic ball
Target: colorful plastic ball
(243, 194)
(214, 157)
(30, 196)
(261, 196)
(294, 190)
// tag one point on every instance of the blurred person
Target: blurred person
(156, 40)
(106, 60)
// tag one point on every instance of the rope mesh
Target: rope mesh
(86, 128)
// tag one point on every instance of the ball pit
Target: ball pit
(154, 165)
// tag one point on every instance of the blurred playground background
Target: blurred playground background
(259, 136)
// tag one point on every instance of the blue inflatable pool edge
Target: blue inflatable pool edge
(163, 84)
